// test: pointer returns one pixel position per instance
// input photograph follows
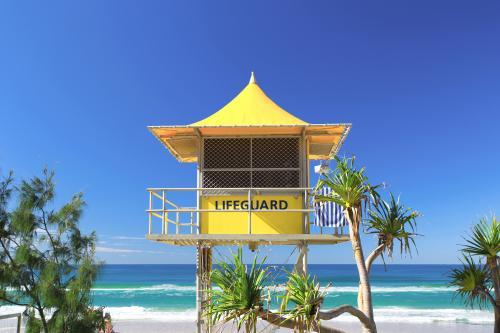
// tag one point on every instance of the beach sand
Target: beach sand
(132, 326)
(151, 326)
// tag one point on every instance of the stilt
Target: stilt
(252, 177)
(203, 269)
(301, 264)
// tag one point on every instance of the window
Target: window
(251, 162)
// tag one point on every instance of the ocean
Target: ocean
(401, 293)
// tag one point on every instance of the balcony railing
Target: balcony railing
(167, 217)
(11, 322)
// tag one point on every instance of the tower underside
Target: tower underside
(252, 239)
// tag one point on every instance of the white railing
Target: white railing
(177, 217)
(4, 326)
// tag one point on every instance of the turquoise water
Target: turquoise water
(402, 292)
(172, 287)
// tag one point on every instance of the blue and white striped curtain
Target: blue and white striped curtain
(328, 213)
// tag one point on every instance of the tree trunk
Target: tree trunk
(493, 265)
(368, 263)
(373, 256)
(281, 321)
(334, 313)
(43, 319)
(353, 215)
(497, 320)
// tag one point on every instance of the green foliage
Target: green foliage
(392, 221)
(239, 294)
(33, 325)
(484, 239)
(304, 292)
(46, 263)
(349, 185)
(472, 282)
(475, 283)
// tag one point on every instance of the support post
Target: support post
(177, 223)
(164, 225)
(249, 211)
(203, 285)
(19, 318)
(191, 221)
(301, 264)
(150, 225)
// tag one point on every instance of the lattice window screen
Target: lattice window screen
(226, 153)
(276, 179)
(275, 153)
(226, 179)
(251, 162)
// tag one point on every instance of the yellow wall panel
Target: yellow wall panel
(227, 222)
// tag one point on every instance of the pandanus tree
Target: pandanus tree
(240, 295)
(350, 188)
(477, 283)
(306, 296)
(392, 223)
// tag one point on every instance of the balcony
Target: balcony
(236, 216)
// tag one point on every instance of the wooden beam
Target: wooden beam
(301, 263)
(245, 239)
(203, 285)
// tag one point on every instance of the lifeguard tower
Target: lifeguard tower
(253, 184)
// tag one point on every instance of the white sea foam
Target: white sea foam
(332, 289)
(411, 315)
(392, 289)
(140, 313)
(382, 314)
(159, 287)
(385, 314)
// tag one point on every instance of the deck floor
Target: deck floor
(271, 239)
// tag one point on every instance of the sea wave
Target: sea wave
(331, 289)
(159, 287)
(419, 316)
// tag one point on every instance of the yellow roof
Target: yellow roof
(251, 113)
(251, 107)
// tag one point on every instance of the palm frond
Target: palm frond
(484, 239)
(472, 282)
(392, 221)
(239, 293)
(349, 186)
(304, 292)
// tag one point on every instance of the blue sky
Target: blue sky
(419, 81)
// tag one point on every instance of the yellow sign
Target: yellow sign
(230, 215)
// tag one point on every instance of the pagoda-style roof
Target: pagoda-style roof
(251, 107)
(251, 112)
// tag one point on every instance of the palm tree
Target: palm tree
(391, 222)
(350, 189)
(304, 292)
(485, 241)
(475, 282)
(240, 294)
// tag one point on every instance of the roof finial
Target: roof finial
(252, 78)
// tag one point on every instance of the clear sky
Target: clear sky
(419, 81)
